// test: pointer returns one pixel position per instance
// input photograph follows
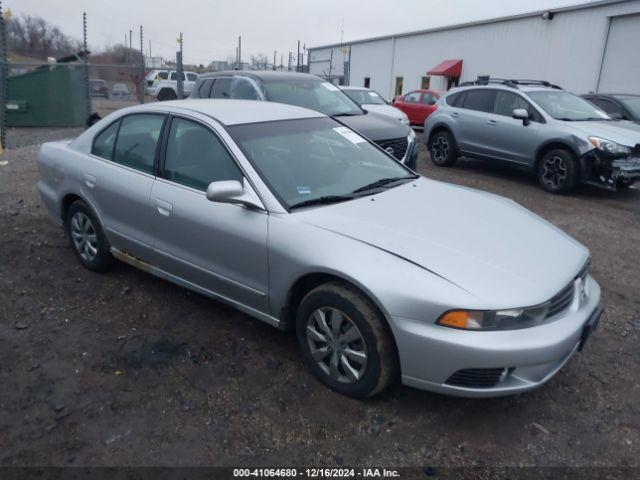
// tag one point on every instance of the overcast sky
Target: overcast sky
(211, 27)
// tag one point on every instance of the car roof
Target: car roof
(234, 112)
(264, 75)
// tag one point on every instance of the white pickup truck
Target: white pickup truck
(163, 84)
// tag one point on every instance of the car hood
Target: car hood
(376, 126)
(491, 247)
(622, 131)
(386, 110)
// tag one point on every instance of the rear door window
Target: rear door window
(456, 99)
(428, 99)
(137, 141)
(413, 97)
(480, 100)
(205, 88)
(105, 140)
(221, 88)
(192, 77)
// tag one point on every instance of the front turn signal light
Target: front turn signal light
(455, 319)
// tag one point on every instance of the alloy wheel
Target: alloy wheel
(440, 149)
(336, 345)
(554, 171)
(84, 236)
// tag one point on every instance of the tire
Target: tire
(557, 171)
(167, 94)
(442, 149)
(366, 360)
(87, 239)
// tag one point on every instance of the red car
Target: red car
(418, 105)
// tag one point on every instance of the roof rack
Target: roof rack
(513, 83)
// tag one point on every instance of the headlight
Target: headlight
(412, 135)
(609, 146)
(510, 319)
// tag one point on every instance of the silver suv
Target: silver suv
(564, 139)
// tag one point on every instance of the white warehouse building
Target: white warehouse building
(590, 47)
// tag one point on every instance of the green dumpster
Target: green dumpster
(51, 96)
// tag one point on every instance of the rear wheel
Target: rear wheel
(88, 240)
(558, 171)
(167, 94)
(345, 341)
(442, 149)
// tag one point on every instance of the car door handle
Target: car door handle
(89, 180)
(455, 114)
(492, 122)
(164, 208)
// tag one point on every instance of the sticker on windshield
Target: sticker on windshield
(304, 190)
(350, 135)
(374, 94)
(330, 86)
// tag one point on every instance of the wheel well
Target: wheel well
(551, 146)
(66, 203)
(438, 129)
(304, 285)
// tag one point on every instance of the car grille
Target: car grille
(561, 301)
(477, 377)
(399, 146)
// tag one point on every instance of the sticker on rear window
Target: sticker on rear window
(330, 86)
(350, 135)
(304, 190)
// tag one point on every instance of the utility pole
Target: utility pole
(239, 52)
(298, 59)
(141, 82)
(150, 48)
(85, 59)
(130, 37)
(3, 80)
(274, 59)
(179, 70)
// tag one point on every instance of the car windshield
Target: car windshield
(311, 93)
(364, 97)
(316, 160)
(632, 104)
(567, 106)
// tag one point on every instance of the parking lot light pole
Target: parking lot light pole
(141, 82)
(85, 60)
(3, 80)
(179, 70)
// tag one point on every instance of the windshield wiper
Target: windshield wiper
(322, 200)
(382, 182)
(346, 114)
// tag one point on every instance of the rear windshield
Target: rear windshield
(312, 93)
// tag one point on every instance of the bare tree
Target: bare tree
(35, 37)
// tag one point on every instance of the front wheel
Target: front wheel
(345, 341)
(442, 149)
(558, 171)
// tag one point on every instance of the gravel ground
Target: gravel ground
(127, 369)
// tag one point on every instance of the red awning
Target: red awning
(448, 68)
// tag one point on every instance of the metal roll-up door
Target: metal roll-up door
(621, 63)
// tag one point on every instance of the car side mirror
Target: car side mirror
(521, 114)
(232, 191)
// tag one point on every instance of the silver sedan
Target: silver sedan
(299, 221)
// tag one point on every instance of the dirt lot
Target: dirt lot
(127, 369)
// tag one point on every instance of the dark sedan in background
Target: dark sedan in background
(310, 91)
(620, 106)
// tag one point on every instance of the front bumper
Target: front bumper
(410, 158)
(604, 171)
(430, 354)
